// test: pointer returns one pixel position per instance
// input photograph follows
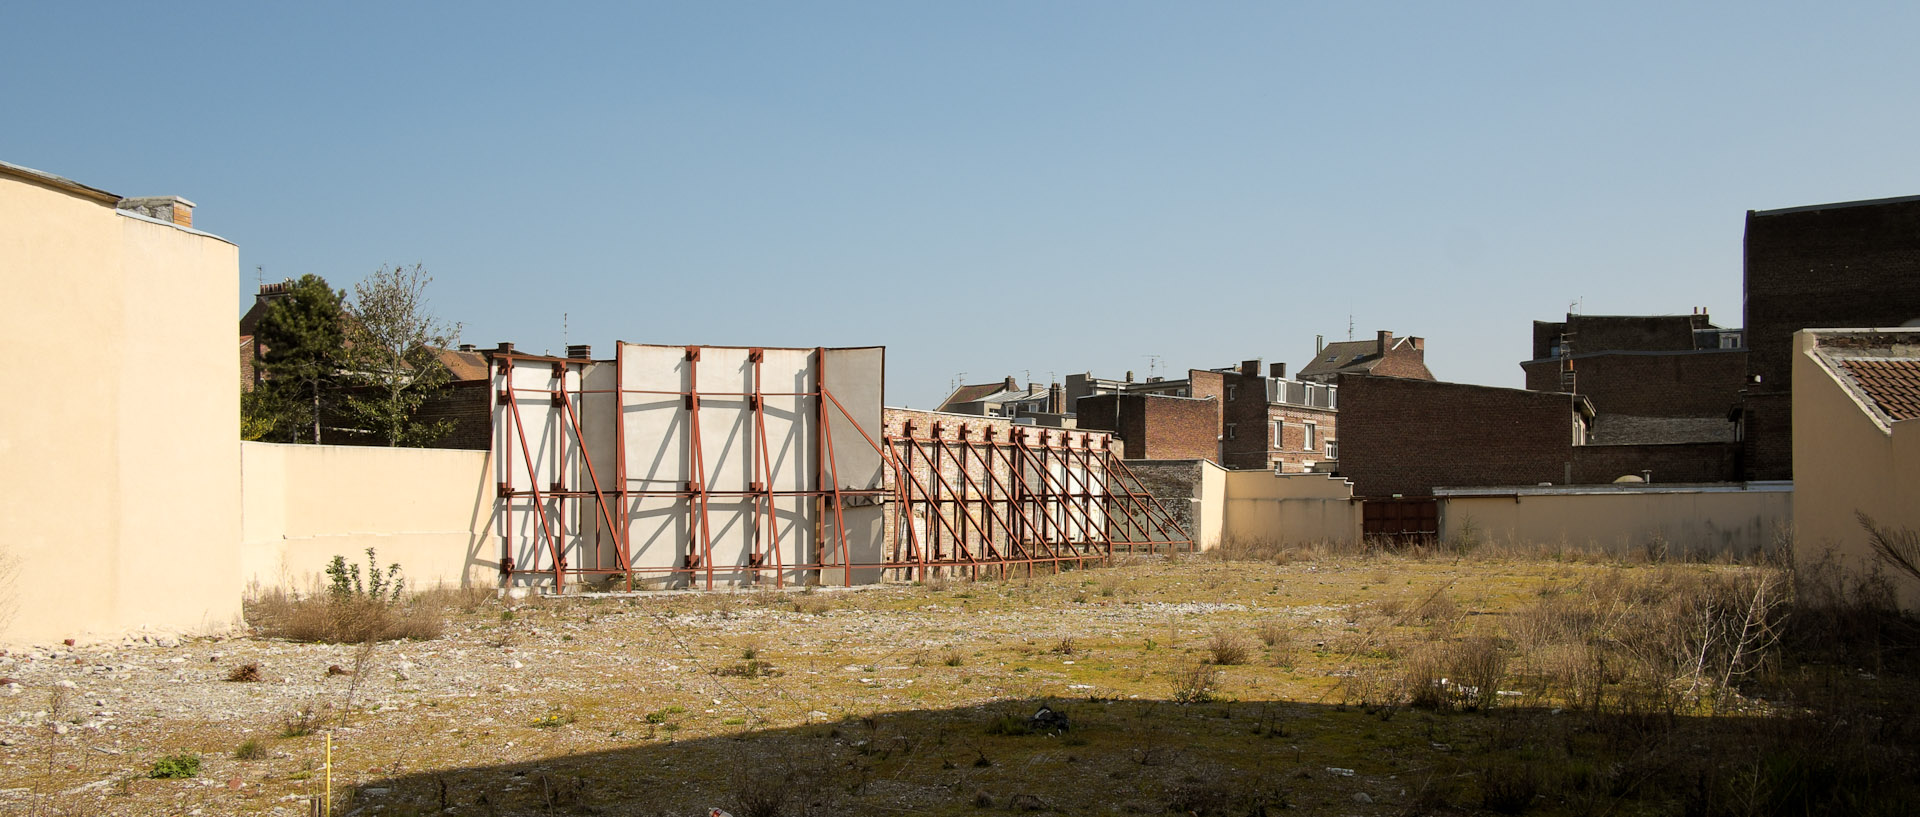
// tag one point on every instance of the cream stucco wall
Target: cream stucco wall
(1685, 521)
(1290, 508)
(429, 510)
(1845, 462)
(119, 478)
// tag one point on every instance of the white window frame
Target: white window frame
(1311, 430)
(1279, 435)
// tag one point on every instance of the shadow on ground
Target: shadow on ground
(1217, 758)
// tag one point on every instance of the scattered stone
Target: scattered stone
(336, 669)
(1362, 797)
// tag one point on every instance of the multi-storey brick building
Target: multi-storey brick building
(1850, 265)
(1641, 365)
(1259, 419)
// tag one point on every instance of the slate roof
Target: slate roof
(1358, 356)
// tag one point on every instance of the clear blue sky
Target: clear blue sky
(991, 188)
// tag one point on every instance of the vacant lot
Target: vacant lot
(1328, 684)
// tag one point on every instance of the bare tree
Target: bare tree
(394, 345)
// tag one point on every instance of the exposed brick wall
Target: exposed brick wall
(1405, 436)
(1243, 403)
(1673, 462)
(469, 404)
(1155, 427)
(1619, 333)
(1408, 361)
(1175, 484)
(1842, 267)
(1683, 384)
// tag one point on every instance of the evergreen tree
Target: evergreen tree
(304, 336)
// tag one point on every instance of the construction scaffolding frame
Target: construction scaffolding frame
(704, 466)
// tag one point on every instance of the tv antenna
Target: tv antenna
(1153, 364)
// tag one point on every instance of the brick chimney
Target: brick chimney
(1250, 368)
(171, 209)
(1056, 399)
(1383, 342)
(1277, 371)
(580, 351)
(1129, 375)
(1011, 385)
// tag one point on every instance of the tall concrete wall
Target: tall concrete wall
(1681, 521)
(429, 510)
(1845, 462)
(1290, 508)
(119, 468)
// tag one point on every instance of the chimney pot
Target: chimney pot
(1319, 344)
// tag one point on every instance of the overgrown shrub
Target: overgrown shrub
(353, 610)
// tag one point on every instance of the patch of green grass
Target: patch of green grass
(175, 767)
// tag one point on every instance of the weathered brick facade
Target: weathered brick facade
(1153, 426)
(1704, 383)
(1673, 462)
(1849, 265)
(1406, 436)
(1248, 414)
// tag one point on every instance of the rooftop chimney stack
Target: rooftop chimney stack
(506, 348)
(1129, 375)
(1384, 341)
(1011, 385)
(466, 347)
(1277, 371)
(580, 351)
(171, 209)
(1319, 344)
(1250, 368)
(1056, 399)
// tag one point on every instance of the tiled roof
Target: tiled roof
(465, 365)
(968, 394)
(1892, 383)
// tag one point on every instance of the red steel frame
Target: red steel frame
(1003, 507)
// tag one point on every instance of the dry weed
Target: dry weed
(1228, 648)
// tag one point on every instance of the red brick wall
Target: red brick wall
(1686, 384)
(1404, 436)
(1405, 361)
(1154, 427)
(1844, 267)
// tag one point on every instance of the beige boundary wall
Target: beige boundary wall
(1260, 506)
(119, 472)
(1622, 520)
(1846, 460)
(430, 510)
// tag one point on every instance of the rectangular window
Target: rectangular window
(1333, 449)
(1279, 434)
(1233, 392)
(1307, 444)
(1230, 430)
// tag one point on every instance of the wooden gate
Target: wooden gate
(1400, 522)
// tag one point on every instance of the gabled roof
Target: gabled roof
(1356, 356)
(465, 365)
(969, 394)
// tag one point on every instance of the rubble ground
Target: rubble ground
(890, 699)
